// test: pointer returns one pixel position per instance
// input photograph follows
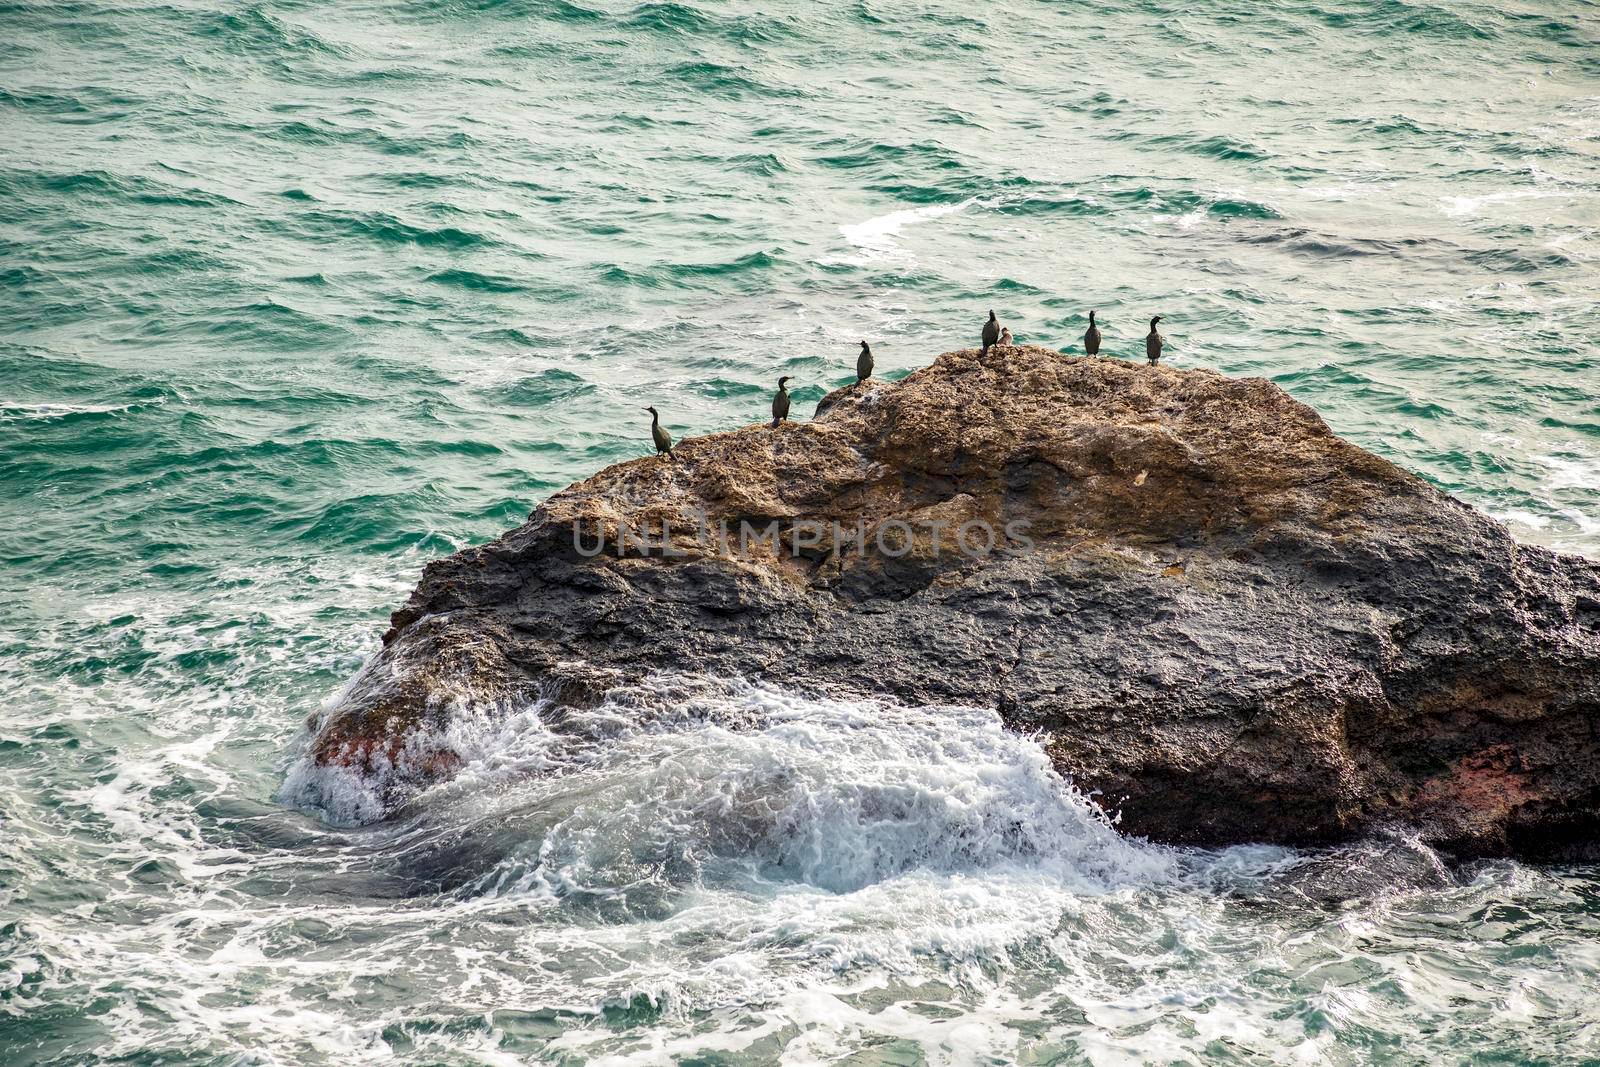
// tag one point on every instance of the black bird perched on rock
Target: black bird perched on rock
(1153, 342)
(780, 402)
(864, 364)
(991, 333)
(1091, 339)
(662, 438)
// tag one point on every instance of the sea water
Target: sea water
(295, 297)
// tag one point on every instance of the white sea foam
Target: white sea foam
(680, 772)
(1521, 519)
(875, 239)
(19, 412)
(1475, 205)
(750, 846)
(1571, 471)
(698, 867)
(1187, 221)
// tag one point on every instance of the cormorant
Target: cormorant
(780, 402)
(991, 333)
(662, 438)
(1091, 340)
(1005, 337)
(1153, 342)
(864, 364)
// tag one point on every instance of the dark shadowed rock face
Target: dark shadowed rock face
(1230, 622)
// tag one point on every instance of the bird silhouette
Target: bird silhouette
(991, 333)
(864, 363)
(780, 402)
(1153, 342)
(661, 437)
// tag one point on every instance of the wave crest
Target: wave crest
(680, 782)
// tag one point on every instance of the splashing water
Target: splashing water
(298, 297)
(680, 780)
(699, 865)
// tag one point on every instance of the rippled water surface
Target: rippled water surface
(295, 297)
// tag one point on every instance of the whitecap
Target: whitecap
(1187, 221)
(875, 238)
(1473, 205)
(1568, 471)
(43, 411)
(1517, 517)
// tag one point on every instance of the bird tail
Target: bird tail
(773, 425)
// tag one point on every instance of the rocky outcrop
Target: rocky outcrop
(1232, 624)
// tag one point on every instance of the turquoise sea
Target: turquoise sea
(296, 296)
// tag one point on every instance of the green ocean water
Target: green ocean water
(295, 297)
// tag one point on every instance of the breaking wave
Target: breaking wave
(681, 782)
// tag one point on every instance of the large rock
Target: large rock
(1230, 622)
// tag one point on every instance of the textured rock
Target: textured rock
(1232, 623)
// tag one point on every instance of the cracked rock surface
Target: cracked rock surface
(1230, 622)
